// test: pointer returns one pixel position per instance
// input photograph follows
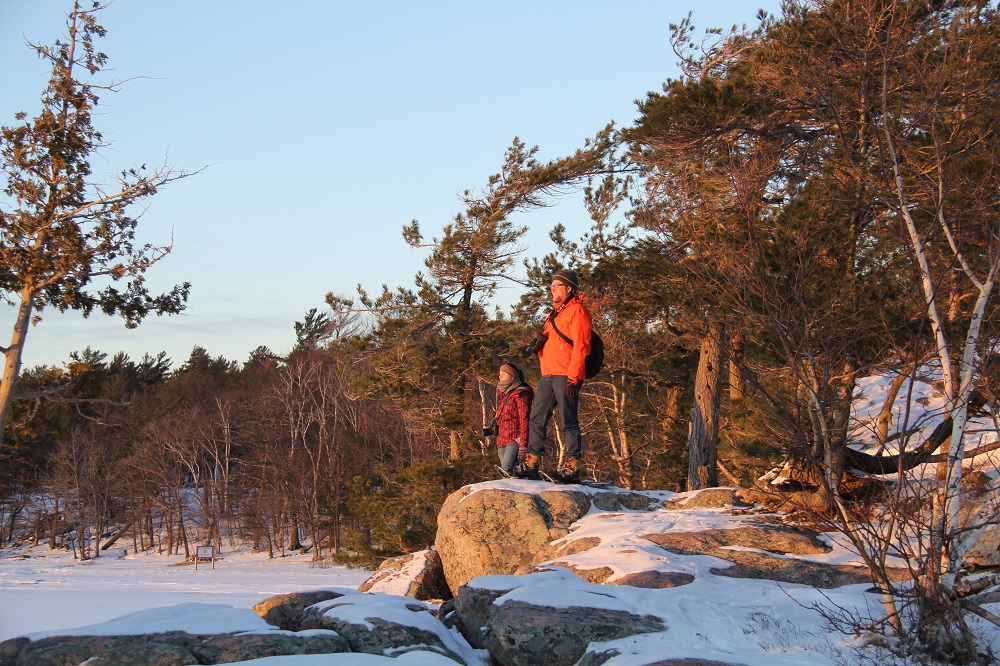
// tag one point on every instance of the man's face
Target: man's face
(560, 291)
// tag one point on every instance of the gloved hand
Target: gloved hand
(522, 454)
(572, 390)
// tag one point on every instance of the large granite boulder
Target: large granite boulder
(522, 633)
(418, 575)
(485, 529)
(469, 611)
(502, 614)
(486, 532)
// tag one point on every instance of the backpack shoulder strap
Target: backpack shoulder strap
(561, 334)
(552, 320)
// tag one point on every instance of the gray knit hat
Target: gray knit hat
(515, 371)
(568, 278)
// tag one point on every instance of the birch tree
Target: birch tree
(928, 77)
(942, 162)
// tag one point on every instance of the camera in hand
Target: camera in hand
(537, 342)
(490, 430)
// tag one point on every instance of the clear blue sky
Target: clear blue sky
(324, 127)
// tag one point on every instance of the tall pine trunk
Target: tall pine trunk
(703, 440)
(293, 532)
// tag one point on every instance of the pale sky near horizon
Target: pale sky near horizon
(322, 128)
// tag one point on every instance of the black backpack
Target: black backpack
(595, 359)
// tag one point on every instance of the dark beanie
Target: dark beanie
(568, 278)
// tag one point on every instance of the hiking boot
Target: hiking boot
(529, 468)
(569, 472)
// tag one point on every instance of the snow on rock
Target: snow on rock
(285, 610)
(489, 531)
(141, 644)
(668, 596)
(559, 631)
(193, 618)
(388, 624)
(375, 624)
(419, 575)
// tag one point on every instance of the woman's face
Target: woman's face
(506, 375)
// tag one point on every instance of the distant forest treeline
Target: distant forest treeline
(271, 453)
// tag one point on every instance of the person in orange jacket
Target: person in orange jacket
(562, 366)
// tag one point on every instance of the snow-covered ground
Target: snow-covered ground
(918, 409)
(739, 621)
(44, 590)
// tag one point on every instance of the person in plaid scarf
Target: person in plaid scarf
(514, 398)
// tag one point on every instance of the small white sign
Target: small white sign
(205, 553)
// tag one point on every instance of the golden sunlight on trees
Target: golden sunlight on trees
(67, 240)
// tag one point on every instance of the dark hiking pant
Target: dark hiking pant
(551, 392)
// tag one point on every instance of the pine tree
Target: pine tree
(433, 342)
(68, 242)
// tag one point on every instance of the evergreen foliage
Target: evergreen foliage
(431, 345)
(67, 240)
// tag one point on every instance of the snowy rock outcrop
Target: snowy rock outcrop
(418, 575)
(284, 611)
(386, 625)
(544, 574)
(175, 648)
(325, 622)
(627, 538)
(502, 527)
(503, 614)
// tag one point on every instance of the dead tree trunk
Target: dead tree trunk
(885, 415)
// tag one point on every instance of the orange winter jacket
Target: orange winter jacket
(557, 357)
